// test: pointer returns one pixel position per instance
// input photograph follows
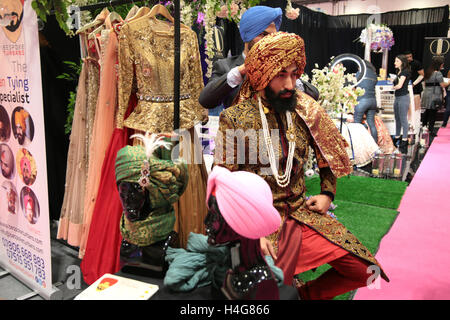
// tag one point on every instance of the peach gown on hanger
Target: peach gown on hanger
(103, 126)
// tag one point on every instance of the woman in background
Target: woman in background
(432, 97)
(367, 104)
(401, 102)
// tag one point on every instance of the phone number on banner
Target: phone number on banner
(26, 259)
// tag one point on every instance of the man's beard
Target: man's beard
(13, 27)
(20, 138)
(278, 103)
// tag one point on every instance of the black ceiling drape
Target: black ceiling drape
(327, 36)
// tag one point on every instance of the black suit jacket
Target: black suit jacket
(217, 91)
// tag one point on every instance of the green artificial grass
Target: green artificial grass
(366, 206)
(377, 192)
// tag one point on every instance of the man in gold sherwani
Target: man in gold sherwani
(269, 131)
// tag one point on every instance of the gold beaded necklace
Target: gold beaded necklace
(283, 179)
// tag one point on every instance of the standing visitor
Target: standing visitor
(417, 75)
(401, 102)
(367, 104)
(433, 97)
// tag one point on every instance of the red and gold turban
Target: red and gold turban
(269, 56)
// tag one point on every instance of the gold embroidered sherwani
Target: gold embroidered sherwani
(312, 128)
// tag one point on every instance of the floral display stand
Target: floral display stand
(379, 39)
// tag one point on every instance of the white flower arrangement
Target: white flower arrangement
(381, 38)
(336, 94)
(291, 13)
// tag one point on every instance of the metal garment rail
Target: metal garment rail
(176, 84)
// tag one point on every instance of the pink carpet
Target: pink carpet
(415, 254)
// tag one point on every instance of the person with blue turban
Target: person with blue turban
(228, 74)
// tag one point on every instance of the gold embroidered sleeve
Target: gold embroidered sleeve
(225, 154)
(195, 82)
(328, 180)
(126, 73)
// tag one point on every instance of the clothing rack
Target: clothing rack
(176, 84)
(113, 3)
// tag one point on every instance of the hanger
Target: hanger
(114, 16)
(98, 21)
(140, 13)
(132, 12)
(107, 23)
(96, 31)
(162, 10)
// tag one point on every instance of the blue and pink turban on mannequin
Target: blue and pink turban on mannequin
(256, 19)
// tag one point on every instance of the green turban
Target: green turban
(164, 179)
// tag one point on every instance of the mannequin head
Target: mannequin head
(217, 229)
(148, 186)
(135, 200)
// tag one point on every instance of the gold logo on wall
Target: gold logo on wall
(439, 47)
(218, 41)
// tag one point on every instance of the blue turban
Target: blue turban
(256, 19)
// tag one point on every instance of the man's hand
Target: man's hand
(267, 248)
(319, 203)
(242, 70)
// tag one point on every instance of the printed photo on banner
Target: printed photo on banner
(5, 125)
(9, 197)
(7, 161)
(11, 18)
(22, 126)
(26, 166)
(29, 205)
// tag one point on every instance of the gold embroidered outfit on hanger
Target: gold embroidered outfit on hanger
(146, 52)
(146, 58)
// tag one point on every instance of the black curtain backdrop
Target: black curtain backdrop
(327, 36)
(56, 47)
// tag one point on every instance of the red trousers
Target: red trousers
(302, 248)
(346, 274)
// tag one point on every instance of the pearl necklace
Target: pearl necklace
(283, 179)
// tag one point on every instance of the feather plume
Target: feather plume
(152, 142)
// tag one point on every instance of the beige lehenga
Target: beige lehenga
(72, 210)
